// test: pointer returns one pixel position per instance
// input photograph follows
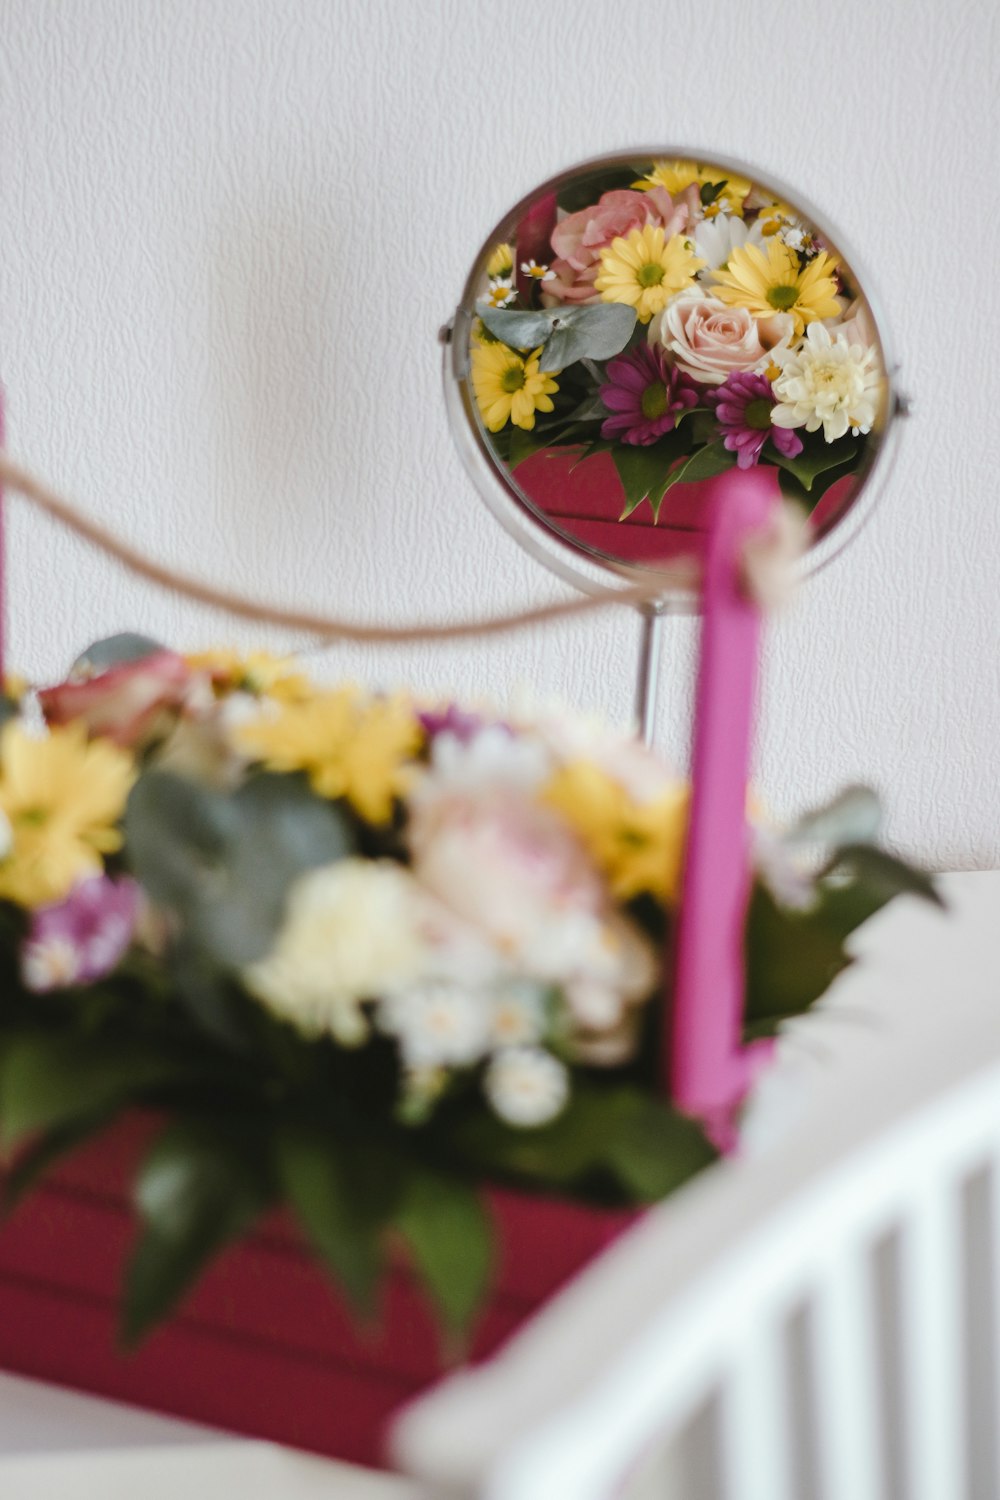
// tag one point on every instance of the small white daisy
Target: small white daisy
(526, 1087)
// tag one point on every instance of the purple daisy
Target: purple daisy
(82, 938)
(644, 395)
(743, 408)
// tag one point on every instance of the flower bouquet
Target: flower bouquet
(679, 319)
(358, 956)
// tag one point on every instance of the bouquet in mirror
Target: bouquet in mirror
(682, 320)
(361, 955)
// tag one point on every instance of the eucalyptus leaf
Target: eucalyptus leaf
(518, 330)
(200, 1187)
(448, 1232)
(114, 651)
(854, 816)
(50, 1079)
(596, 332)
(223, 863)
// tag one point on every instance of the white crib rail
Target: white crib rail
(855, 1230)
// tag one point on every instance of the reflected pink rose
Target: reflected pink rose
(858, 325)
(131, 703)
(710, 341)
(579, 238)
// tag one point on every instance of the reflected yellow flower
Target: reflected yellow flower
(510, 387)
(646, 269)
(775, 282)
(675, 176)
(260, 672)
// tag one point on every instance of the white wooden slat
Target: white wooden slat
(933, 1365)
(848, 1450)
(754, 1419)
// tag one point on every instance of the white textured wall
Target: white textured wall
(229, 230)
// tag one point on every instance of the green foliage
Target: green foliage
(114, 651)
(817, 457)
(201, 1186)
(447, 1230)
(647, 473)
(223, 862)
(50, 1079)
(564, 334)
(632, 1142)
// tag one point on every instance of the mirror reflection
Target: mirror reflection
(641, 325)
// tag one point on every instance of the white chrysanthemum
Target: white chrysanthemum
(716, 239)
(525, 1086)
(351, 933)
(493, 758)
(518, 1015)
(439, 1024)
(829, 383)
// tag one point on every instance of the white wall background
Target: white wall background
(230, 229)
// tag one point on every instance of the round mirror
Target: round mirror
(645, 322)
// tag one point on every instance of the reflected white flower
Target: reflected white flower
(493, 758)
(829, 383)
(716, 239)
(518, 1015)
(526, 1087)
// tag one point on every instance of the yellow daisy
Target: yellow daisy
(501, 262)
(509, 386)
(260, 672)
(766, 284)
(349, 746)
(646, 270)
(639, 846)
(675, 176)
(62, 797)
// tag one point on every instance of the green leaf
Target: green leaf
(815, 459)
(596, 332)
(50, 1080)
(792, 958)
(449, 1234)
(223, 862)
(639, 1140)
(583, 190)
(114, 651)
(854, 816)
(343, 1197)
(200, 1187)
(883, 875)
(518, 330)
(42, 1153)
(524, 445)
(652, 1148)
(645, 472)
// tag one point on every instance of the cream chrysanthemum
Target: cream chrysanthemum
(646, 269)
(830, 383)
(351, 933)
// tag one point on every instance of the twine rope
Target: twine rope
(681, 573)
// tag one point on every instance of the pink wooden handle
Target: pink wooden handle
(707, 1067)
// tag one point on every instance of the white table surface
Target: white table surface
(58, 1445)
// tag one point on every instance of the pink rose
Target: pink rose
(131, 703)
(507, 866)
(579, 239)
(709, 341)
